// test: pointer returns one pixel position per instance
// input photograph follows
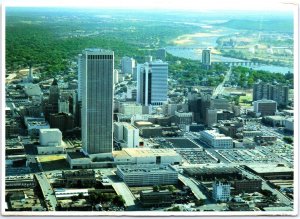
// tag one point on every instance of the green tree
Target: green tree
(155, 188)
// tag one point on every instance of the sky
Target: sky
(193, 5)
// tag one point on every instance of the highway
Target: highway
(220, 88)
(193, 185)
(47, 191)
(122, 189)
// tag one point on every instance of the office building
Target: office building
(51, 105)
(54, 93)
(97, 100)
(247, 185)
(221, 191)
(131, 108)
(146, 156)
(63, 106)
(148, 58)
(147, 174)
(265, 107)
(211, 117)
(62, 121)
(116, 76)
(151, 198)
(216, 140)
(125, 132)
(68, 99)
(127, 64)
(79, 75)
(152, 83)
(50, 137)
(183, 119)
(206, 61)
(220, 103)
(161, 54)
(278, 93)
(131, 136)
(118, 130)
(195, 107)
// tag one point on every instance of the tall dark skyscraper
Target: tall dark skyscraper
(96, 78)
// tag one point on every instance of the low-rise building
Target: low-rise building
(131, 108)
(22, 181)
(248, 186)
(265, 139)
(146, 156)
(50, 137)
(143, 175)
(35, 124)
(150, 198)
(271, 171)
(221, 191)
(86, 178)
(289, 124)
(67, 193)
(216, 140)
(265, 107)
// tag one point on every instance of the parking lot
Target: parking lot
(248, 156)
(197, 156)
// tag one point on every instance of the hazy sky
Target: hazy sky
(196, 5)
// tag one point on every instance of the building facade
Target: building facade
(127, 64)
(97, 100)
(206, 60)
(152, 83)
(221, 191)
(278, 93)
(216, 140)
(142, 175)
(265, 107)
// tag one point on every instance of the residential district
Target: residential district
(130, 139)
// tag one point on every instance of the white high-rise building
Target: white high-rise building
(127, 65)
(131, 136)
(152, 83)
(96, 75)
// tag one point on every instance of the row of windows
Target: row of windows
(100, 57)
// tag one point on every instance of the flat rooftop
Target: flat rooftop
(76, 155)
(215, 134)
(152, 168)
(182, 143)
(210, 170)
(142, 123)
(269, 168)
(144, 152)
(45, 131)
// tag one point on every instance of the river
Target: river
(210, 41)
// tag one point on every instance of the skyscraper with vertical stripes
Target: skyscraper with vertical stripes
(95, 71)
